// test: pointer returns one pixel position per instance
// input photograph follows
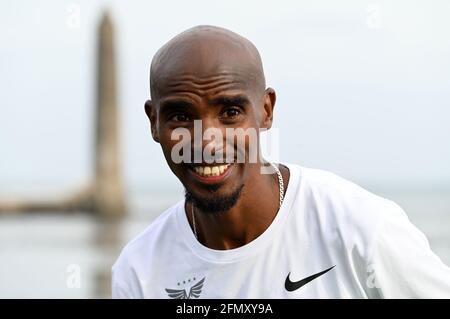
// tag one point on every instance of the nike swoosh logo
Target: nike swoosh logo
(294, 285)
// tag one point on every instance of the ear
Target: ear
(151, 114)
(269, 103)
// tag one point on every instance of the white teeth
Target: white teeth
(215, 171)
(211, 170)
(199, 169)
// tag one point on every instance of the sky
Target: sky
(363, 87)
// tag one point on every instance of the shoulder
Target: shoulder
(144, 243)
(138, 255)
(341, 195)
(344, 211)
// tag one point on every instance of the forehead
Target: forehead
(204, 67)
(205, 85)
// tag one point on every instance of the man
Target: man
(244, 233)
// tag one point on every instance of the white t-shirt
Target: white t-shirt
(325, 222)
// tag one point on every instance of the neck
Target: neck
(249, 218)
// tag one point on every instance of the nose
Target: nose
(208, 140)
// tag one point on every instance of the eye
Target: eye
(179, 117)
(231, 112)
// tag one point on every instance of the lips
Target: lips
(210, 174)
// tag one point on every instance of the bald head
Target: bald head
(205, 53)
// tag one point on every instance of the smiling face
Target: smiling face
(215, 76)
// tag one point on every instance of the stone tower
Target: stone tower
(109, 198)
